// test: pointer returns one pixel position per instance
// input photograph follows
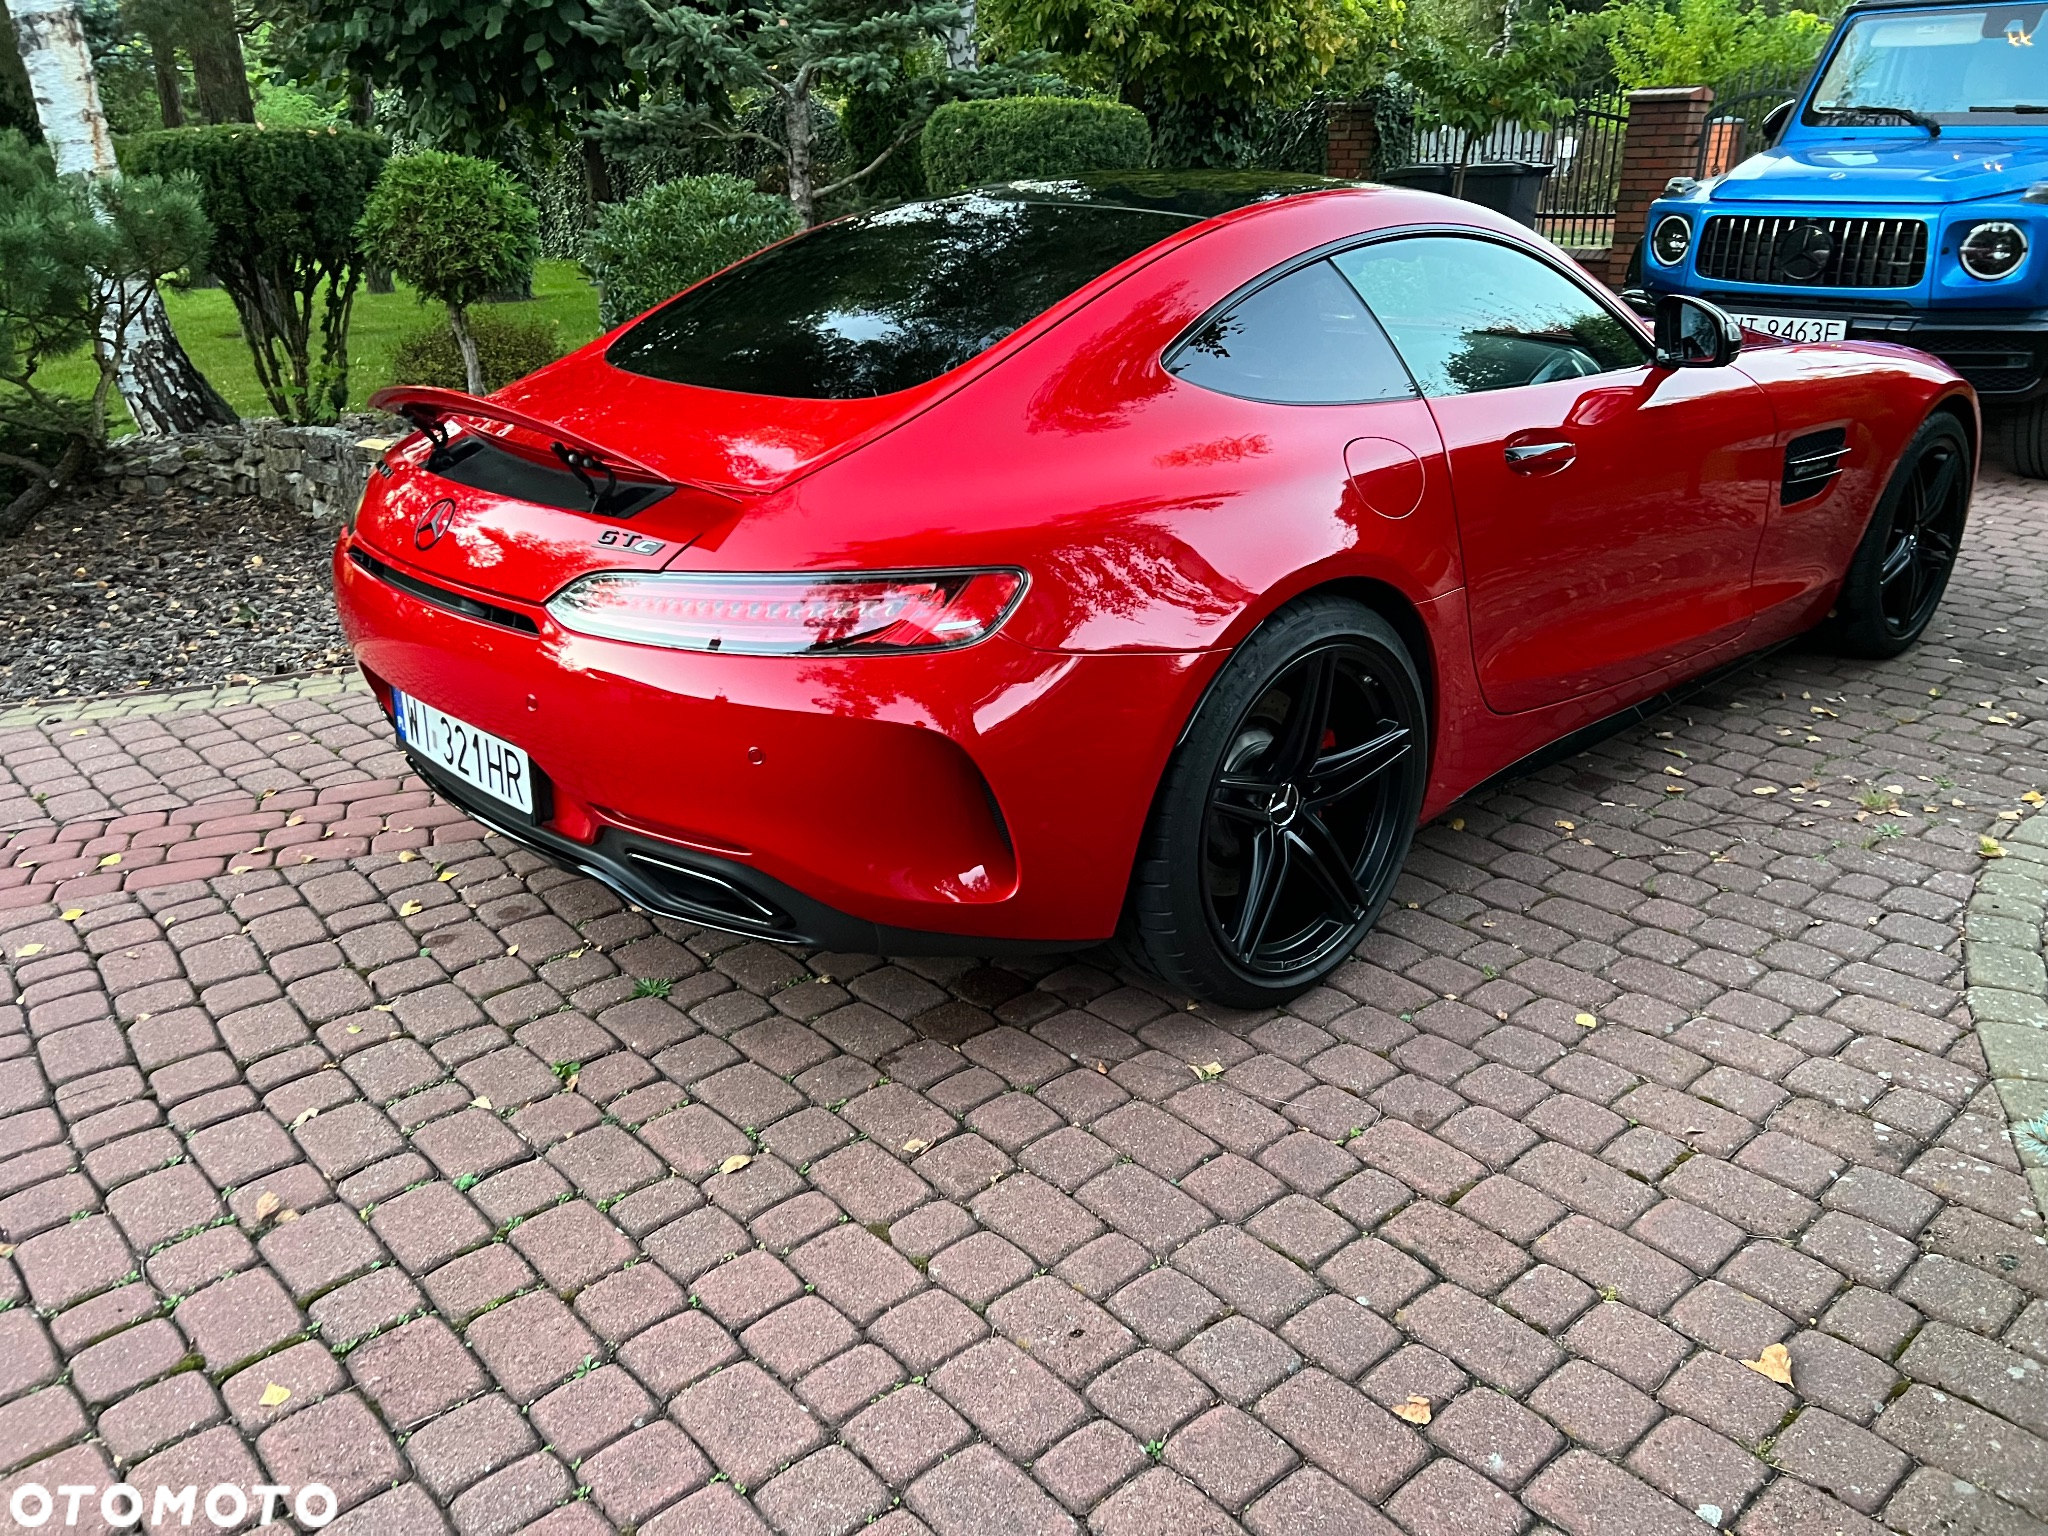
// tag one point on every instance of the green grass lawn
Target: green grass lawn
(205, 322)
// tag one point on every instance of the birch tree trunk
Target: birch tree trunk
(164, 392)
(960, 49)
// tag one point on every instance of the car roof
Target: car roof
(1192, 195)
(1915, 5)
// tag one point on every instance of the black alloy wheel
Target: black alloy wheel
(1287, 810)
(1901, 568)
(1926, 530)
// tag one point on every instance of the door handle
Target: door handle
(1541, 458)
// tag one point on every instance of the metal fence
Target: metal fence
(1576, 205)
(1741, 103)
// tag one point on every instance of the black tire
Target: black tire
(1310, 812)
(2030, 439)
(1901, 568)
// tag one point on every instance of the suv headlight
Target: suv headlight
(1671, 239)
(1993, 250)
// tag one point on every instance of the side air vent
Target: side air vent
(1812, 462)
(441, 597)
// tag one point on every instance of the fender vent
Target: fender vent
(1812, 462)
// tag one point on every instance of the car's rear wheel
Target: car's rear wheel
(1286, 810)
(2030, 440)
(1899, 571)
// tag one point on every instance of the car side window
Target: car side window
(1302, 339)
(1474, 315)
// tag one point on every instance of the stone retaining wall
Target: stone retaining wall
(319, 471)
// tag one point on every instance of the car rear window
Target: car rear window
(886, 301)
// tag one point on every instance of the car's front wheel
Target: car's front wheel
(1898, 573)
(1286, 810)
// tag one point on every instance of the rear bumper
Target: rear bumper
(991, 794)
(709, 891)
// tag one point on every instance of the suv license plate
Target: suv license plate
(476, 757)
(1796, 327)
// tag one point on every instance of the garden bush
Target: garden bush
(657, 244)
(508, 347)
(458, 229)
(1011, 137)
(284, 205)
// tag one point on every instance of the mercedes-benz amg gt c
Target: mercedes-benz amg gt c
(1135, 556)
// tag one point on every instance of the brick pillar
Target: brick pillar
(1663, 141)
(1353, 141)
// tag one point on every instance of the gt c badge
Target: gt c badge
(433, 522)
(631, 543)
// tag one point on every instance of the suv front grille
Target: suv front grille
(1813, 253)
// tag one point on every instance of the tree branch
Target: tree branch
(875, 164)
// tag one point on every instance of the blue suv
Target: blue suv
(1903, 198)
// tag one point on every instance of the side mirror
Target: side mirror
(1775, 120)
(1691, 333)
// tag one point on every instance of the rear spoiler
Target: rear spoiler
(429, 410)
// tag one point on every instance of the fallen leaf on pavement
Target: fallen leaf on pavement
(734, 1163)
(303, 1116)
(274, 1396)
(479, 1102)
(28, 949)
(915, 1144)
(1585, 1020)
(1990, 848)
(1775, 1362)
(267, 1205)
(408, 909)
(1415, 1410)
(73, 914)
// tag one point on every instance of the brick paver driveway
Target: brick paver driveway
(343, 1144)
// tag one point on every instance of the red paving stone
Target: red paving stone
(263, 1122)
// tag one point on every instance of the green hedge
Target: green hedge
(653, 246)
(508, 347)
(1016, 137)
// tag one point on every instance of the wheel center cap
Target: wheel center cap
(1283, 804)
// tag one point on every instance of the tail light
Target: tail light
(794, 615)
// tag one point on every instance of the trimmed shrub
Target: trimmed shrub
(655, 245)
(507, 346)
(1010, 138)
(284, 205)
(458, 229)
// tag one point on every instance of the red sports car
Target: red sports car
(1133, 556)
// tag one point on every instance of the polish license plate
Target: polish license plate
(476, 757)
(1797, 327)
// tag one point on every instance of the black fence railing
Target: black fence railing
(1576, 205)
(1735, 129)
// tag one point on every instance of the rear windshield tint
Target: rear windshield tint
(887, 301)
